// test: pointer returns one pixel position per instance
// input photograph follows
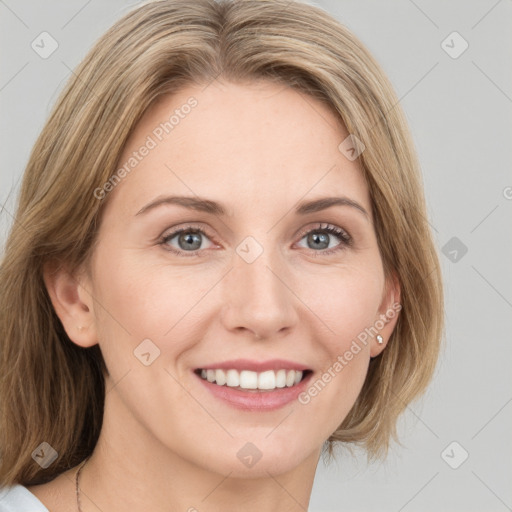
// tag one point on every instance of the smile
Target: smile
(252, 385)
(250, 380)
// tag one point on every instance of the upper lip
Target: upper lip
(255, 366)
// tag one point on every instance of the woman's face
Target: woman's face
(265, 288)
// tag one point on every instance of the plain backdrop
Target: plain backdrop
(456, 452)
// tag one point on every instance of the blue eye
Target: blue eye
(189, 240)
(319, 239)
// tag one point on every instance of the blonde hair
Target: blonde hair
(53, 390)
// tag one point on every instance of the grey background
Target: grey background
(459, 112)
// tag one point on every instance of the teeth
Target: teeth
(267, 380)
(246, 379)
(280, 378)
(220, 377)
(232, 378)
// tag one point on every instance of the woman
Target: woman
(220, 267)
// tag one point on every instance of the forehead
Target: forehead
(259, 144)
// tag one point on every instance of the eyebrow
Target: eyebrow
(208, 206)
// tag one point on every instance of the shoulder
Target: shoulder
(18, 498)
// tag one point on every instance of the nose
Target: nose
(258, 297)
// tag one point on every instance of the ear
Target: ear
(389, 311)
(72, 303)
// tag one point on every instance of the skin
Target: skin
(166, 442)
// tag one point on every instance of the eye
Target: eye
(189, 239)
(321, 237)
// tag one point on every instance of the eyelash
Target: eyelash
(345, 238)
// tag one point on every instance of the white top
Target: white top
(18, 498)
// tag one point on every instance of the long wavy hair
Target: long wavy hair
(52, 390)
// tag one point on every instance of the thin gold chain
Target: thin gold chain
(77, 479)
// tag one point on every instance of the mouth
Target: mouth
(253, 381)
(254, 385)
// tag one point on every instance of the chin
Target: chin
(258, 458)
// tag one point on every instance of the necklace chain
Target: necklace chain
(77, 479)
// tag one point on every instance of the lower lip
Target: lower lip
(257, 400)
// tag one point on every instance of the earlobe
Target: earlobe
(389, 312)
(72, 304)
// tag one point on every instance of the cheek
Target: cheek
(345, 300)
(347, 304)
(137, 301)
